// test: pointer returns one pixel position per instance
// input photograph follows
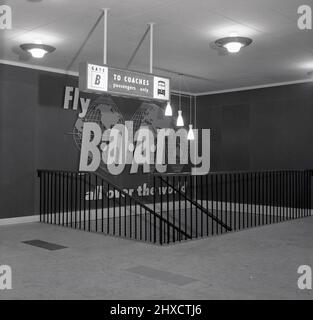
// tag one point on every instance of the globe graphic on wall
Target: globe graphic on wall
(102, 111)
(152, 116)
(106, 114)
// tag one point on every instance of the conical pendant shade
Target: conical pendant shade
(190, 135)
(180, 120)
(168, 110)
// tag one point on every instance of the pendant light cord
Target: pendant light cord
(180, 81)
(195, 117)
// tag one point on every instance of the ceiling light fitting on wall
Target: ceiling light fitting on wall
(233, 44)
(37, 50)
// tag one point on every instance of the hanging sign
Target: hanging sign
(101, 78)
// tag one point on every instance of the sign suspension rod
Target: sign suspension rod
(151, 47)
(105, 35)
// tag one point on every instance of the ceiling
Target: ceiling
(185, 32)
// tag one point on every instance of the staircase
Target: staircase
(183, 207)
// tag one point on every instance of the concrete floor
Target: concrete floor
(257, 263)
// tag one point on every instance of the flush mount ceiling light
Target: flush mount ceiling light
(37, 50)
(233, 44)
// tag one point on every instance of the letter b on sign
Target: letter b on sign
(5, 277)
(97, 78)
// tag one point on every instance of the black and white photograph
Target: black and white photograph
(156, 156)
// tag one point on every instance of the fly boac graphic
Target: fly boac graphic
(120, 146)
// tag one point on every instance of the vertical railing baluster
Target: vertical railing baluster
(212, 207)
(96, 202)
(40, 195)
(220, 202)
(120, 216)
(195, 195)
(236, 212)
(289, 196)
(207, 202)
(226, 200)
(284, 195)
(140, 225)
(125, 217)
(217, 202)
(242, 200)
(167, 230)
(271, 196)
(161, 205)
(108, 208)
(256, 218)
(76, 196)
(71, 197)
(231, 201)
(186, 182)
(49, 198)
(59, 197)
(89, 202)
(67, 200)
(80, 200)
(102, 206)
(298, 195)
(41, 186)
(239, 196)
(265, 189)
(54, 198)
(135, 219)
(84, 198)
(301, 193)
(201, 195)
(174, 208)
(130, 220)
(63, 198)
(179, 206)
(280, 195)
(114, 209)
(154, 209)
(191, 205)
(293, 194)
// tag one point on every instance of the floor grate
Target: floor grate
(45, 245)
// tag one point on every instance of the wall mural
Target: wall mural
(103, 112)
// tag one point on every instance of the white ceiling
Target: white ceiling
(184, 33)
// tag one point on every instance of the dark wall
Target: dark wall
(36, 133)
(252, 130)
(264, 129)
(33, 135)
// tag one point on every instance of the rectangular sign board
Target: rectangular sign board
(101, 79)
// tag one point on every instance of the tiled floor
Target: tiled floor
(258, 263)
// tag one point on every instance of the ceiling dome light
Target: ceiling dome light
(233, 44)
(37, 50)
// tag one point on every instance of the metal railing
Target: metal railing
(182, 206)
(87, 201)
(217, 203)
